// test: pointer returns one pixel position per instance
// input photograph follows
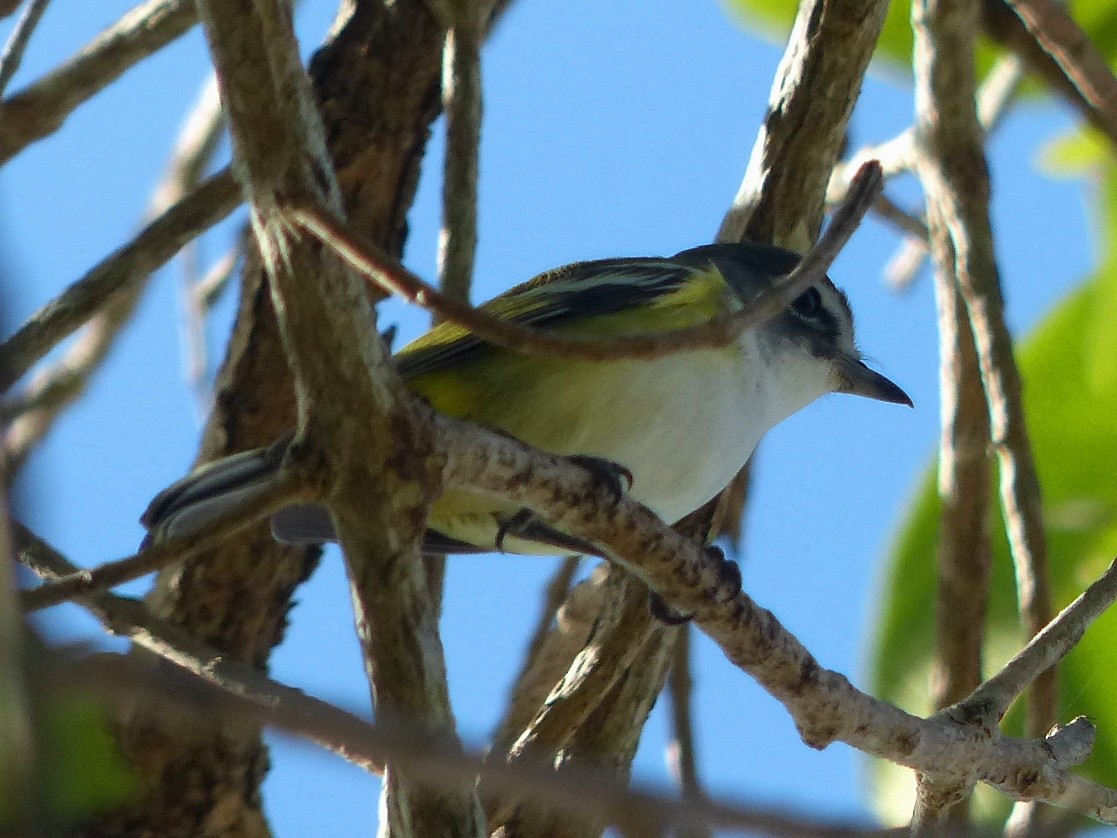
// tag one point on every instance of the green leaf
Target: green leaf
(82, 771)
(1075, 153)
(1070, 399)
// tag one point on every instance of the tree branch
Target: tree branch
(289, 487)
(379, 498)
(716, 333)
(17, 42)
(1083, 65)
(152, 247)
(40, 109)
(952, 168)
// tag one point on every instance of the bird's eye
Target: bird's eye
(808, 304)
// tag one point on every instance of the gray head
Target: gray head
(811, 343)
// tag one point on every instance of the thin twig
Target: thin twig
(682, 750)
(1047, 648)
(287, 487)
(197, 142)
(1086, 68)
(717, 332)
(210, 287)
(897, 156)
(130, 618)
(210, 202)
(461, 102)
(574, 620)
(17, 42)
(55, 388)
(553, 597)
(907, 222)
(40, 109)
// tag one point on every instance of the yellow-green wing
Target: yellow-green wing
(582, 290)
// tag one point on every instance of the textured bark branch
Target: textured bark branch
(964, 549)
(379, 468)
(952, 168)
(377, 85)
(592, 720)
(461, 102)
(780, 199)
(40, 109)
(954, 748)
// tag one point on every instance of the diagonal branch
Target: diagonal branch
(288, 487)
(1081, 62)
(40, 109)
(715, 333)
(124, 617)
(203, 207)
(17, 42)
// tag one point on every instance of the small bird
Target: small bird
(676, 428)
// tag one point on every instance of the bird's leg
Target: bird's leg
(514, 525)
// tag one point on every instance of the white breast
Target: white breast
(684, 425)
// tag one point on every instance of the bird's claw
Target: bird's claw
(728, 587)
(616, 477)
(514, 525)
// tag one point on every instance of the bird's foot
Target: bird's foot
(728, 587)
(614, 476)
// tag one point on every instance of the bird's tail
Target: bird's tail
(188, 506)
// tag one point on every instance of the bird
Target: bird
(672, 431)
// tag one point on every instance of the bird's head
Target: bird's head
(808, 349)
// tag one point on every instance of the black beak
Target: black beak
(858, 379)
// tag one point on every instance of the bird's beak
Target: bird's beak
(858, 379)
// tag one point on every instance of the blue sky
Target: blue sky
(610, 130)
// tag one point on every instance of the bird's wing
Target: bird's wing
(582, 290)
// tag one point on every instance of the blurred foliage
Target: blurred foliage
(894, 50)
(82, 771)
(1071, 402)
